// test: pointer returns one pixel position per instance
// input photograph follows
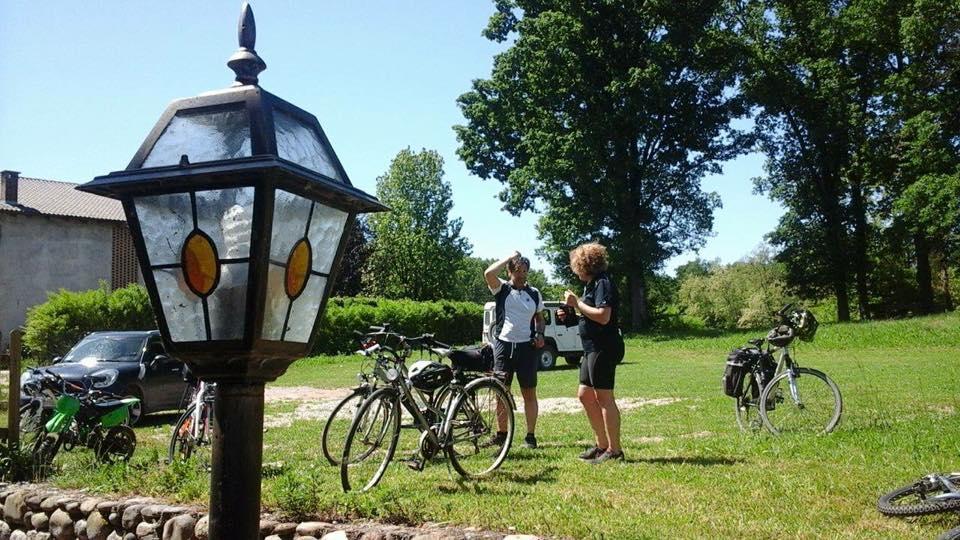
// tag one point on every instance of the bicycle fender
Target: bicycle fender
(58, 422)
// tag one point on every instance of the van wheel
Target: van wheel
(546, 357)
(573, 360)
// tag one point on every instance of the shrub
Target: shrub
(745, 294)
(450, 322)
(57, 324)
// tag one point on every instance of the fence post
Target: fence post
(13, 396)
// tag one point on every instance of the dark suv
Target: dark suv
(126, 363)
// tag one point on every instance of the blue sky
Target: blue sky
(82, 83)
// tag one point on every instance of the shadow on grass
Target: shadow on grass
(547, 474)
(699, 461)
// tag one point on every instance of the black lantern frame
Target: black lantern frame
(251, 357)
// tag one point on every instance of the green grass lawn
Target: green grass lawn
(689, 472)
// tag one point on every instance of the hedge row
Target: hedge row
(452, 322)
(57, 324)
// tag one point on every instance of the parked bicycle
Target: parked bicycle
(781, 395)
(193, 433)
(381, 341)
(92, 418)
(457, 411)
(337, 426)
(931, 494)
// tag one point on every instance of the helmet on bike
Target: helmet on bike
(429, 376)
(781, 336)
(804, 323)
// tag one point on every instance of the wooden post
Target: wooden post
(13, 423)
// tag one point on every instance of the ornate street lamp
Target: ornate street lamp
(240, 211)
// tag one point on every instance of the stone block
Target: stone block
(131, 517)
(202, 530)
(285, 530)
(15, 507)
(313, 528)
(179, 528)
(61, 525)
(39, 521)
(98, 528)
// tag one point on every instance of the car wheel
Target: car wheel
(573, 360)
(136, 411)
(546, 357)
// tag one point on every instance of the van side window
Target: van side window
(546, 317)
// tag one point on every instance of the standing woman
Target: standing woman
(602, 350)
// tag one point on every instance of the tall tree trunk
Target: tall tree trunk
(836, 253)
(924, 275)
(639, 309)
(945, 273)
(860, 267)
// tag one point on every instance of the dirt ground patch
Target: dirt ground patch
(316, 403)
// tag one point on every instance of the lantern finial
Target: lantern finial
(245, 62)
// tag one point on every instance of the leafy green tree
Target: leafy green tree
(921, 99)
(607, 115)
(417, 249)
(745, 294)
(812, 67)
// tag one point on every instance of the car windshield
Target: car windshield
(106, 349)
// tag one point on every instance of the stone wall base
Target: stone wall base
(40, 512)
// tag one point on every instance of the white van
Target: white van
(559, 340)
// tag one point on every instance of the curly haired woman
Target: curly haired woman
(602, 350)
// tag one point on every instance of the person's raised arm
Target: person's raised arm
(492, 271)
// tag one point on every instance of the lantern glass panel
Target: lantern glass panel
(202, 136)
(165, 221)
(227, 304)
(326, 228)
(277, 305)
(291, 311)
(227, 216)
(218, 221)
(299, 142)
(303, 312)
(182, 309)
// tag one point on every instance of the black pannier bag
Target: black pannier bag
(472, 358)
(739, 364)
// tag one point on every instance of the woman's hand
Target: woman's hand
(570, 299)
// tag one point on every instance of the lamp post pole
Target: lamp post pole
(237, 459)
(239, 211)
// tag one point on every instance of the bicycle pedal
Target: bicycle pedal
(415, 464)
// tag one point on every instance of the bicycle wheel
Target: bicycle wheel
(812, 404)
(44, 451)
(472, 424)
(189, 441)
(371, 441)
(117, 445)
(33, 417)
(746, 406)
(921, 498)
(338, 424)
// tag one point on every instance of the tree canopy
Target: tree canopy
(607, 115)
(417, 249)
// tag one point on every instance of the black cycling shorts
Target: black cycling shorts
(598, 370)
(519, 358)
